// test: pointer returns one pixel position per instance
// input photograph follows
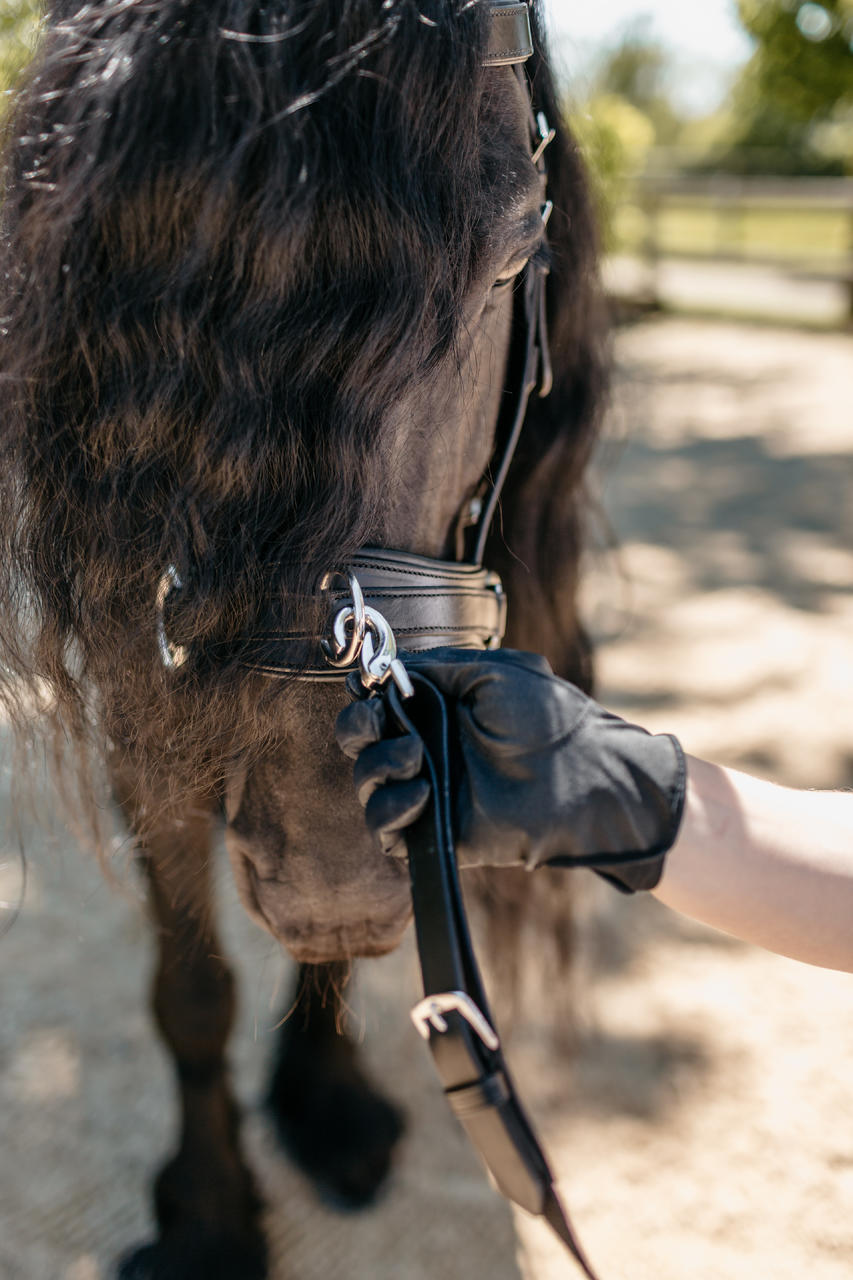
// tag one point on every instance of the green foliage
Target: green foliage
(637, 69)
(18, 30)
(627, 113)
(792, 106)
(803, 62)
(615, 138)
(790, 110)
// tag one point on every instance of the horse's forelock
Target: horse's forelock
(226, 225)
(227, 221)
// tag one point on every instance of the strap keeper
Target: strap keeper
(483, 1095)
(510, 37)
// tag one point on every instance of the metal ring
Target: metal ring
(341, 650)
(172, 655)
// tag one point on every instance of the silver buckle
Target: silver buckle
(430, 1011)
(494, 641)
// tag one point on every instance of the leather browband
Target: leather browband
(426, 602)
(510, 38)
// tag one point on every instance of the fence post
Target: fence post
(650, 248)
(849, 281)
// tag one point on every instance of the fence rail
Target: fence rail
(802, 225)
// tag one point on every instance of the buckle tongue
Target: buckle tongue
(429, 1013)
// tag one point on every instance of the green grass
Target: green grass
(814, 237)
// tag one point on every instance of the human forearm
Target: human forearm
(547, 776)
(768, 864)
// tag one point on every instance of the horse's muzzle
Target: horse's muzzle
(332, 924)
(340, 944)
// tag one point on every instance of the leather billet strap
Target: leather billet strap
(454, 1013)
(537, 369)
(426, 603)
(510, 38)
(511, 42)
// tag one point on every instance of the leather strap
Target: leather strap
(510, 38)
(426, 602)
(537, 368)
(511, 41)
(455, 1012)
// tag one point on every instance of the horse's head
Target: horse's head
(260, 295)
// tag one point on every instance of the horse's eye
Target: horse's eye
(540, 257)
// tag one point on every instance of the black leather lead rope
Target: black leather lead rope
(454, 1015)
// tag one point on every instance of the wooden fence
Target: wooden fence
(803, 225)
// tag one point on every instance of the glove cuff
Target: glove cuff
(663, 791)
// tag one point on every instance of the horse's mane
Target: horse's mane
(209, 301)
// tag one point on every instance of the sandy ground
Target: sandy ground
(705, 1127)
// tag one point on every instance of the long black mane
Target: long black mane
(233, 232)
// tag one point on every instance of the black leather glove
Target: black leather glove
(547, 776)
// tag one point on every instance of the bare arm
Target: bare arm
(765, 863)
(551, 778)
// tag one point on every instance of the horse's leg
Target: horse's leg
(206, 1205)
(331, 1121)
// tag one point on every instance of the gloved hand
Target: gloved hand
(548, 775)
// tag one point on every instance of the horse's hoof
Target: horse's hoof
(335, 1127)
(193, 1254)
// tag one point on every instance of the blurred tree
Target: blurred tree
(792, 105)
(637, 69)
(616, 139)
(626, 113)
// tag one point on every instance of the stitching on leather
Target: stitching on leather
(508, 17)
(385, 577)
(447, 628)
(387, 593)
(284, 637)
(379, 566)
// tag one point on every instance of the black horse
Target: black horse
(258, 266)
